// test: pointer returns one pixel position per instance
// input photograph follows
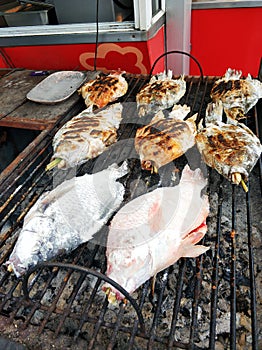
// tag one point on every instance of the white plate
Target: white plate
(56, 87)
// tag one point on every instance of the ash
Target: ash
(67, 309)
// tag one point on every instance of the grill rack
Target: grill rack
(21, 301)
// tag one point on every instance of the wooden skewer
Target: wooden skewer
(53, 164)
(9, 268)
(244, 185)
(237, 179)
(153, 285)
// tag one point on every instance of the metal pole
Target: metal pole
(178, 29)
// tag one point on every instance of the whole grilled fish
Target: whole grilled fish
(165, 139)
(154, 230)
(85, 136)
(160, 93)
(230, 148)
(67, 216)
(238, 95)
(104, 89)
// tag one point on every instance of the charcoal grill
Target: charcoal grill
(205, 303)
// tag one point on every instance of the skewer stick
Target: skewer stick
(10, 268)
(244, 185)
(153, 285)
(238, 179)
(53, 164)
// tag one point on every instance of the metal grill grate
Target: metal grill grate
(197, 304)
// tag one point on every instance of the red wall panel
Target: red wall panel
(223, 38)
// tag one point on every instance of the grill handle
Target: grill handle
(179, 52)
(87, 271)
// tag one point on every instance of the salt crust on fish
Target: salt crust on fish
(238, 95)
(160, 93)
(231, 148)
(165, 138)
(154, 230)
(67, 216)
(86, 136)
(104, 89)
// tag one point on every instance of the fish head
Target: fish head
(27, 249)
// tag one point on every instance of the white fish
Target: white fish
(160, 93)
(231, 148)
(238, 95)
(85, 136)
(67, 216)
(165, 139)
(154, 230)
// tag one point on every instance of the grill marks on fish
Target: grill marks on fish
(89, 133)
(156, 91)
(162, 133)
(224, 89)
(104, 89)
(105, 85)
(229, 148)
(165, 139)
(160, 93)
(237, 94)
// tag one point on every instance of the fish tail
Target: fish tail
(193, 176)
(119, 171)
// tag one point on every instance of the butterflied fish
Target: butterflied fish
(230, 148)
(104, 89)
(66, 217)
(85, 136)
(165, 139)
(237, 94)
(160, 93)
(154, 230)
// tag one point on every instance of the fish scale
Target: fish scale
(67, 216)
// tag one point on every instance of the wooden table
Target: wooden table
(18, 112)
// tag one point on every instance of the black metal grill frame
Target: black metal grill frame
(19, 300)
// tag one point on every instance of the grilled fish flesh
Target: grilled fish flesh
(165, 139)
(237, 94)
(67, 216)
(85, 136)
(230, 148)
(160, 93)
(154, 230)
(104, 89)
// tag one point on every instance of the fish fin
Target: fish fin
(214, 112)
(195, 251)
(193, 118)
(158, 116)
(179, 112)
(193, 176)
(200, 125)
(189, 247)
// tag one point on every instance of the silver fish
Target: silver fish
(154, 230)
(67, 216)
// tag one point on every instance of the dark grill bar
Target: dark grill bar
(200, 303)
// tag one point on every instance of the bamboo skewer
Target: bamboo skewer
(238, 179)
(244, 185)
(53, 164)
